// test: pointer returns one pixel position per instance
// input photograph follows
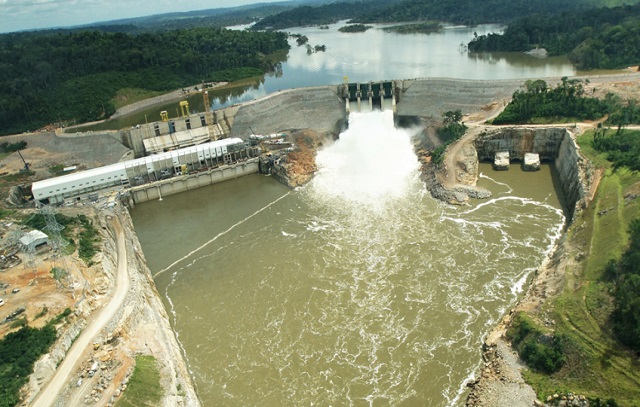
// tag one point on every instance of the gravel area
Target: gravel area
(46, 149)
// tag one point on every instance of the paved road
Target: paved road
(49, 394)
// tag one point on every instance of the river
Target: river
(357, 289)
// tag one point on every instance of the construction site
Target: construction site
(115, 312)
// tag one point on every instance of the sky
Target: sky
(17, 15)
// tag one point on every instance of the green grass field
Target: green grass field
(597, 365)
(144, 387)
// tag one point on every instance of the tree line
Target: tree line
(468, 12)
(595, 38)
(73, 76)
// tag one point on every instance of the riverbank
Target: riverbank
(569, 296)
(498, 360)
(99, 347)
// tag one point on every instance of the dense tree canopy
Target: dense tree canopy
(469, 12)
(327, 14)
(626, 316)
(18, 352)
(72, 76)
(567, 101)
(597, 38)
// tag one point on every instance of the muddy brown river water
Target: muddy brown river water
(357, 289)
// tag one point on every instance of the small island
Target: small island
(426, 27)
(354, 28)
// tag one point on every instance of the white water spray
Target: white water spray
(371, 163)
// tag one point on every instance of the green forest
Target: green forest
(596, 38)
(320, 15)
(468, 12)
(72, 77)
(18, 353)
(626, 315)
(567, 102)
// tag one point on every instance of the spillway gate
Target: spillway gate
(369, 96)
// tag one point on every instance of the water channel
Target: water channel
(357, 289)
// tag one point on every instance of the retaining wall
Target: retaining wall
(552, 144)
(175, 185)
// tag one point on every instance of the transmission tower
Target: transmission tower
(58, 244)
(30, 258)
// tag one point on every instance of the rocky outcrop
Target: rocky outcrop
(297, 166)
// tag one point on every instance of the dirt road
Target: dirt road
(49, 394)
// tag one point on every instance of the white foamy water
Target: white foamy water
(358, 289)
(371, 163)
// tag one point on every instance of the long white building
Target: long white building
(135, 172)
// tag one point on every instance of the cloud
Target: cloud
(20, 15)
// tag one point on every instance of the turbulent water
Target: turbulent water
(358, 289)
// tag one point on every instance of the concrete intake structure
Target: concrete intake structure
(550, 144)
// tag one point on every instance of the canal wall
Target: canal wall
(175, 185)
(552, 144)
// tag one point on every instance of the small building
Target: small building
(34, 239)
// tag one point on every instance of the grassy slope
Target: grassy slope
(597, 365)
(144, 387)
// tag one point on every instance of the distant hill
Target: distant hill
(468, 12)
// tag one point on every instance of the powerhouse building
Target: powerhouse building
(137, 172)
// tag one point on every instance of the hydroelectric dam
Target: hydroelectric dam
(358, 288)
(168, 159)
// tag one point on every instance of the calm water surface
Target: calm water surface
(372, 56)
(358, 289)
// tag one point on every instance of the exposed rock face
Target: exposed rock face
(140, 327)
(467, 165)
(519, 141)
(297, 167)
(500, 382)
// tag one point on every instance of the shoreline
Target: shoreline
(498, 380)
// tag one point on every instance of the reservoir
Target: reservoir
(374, 55)
(356, 289)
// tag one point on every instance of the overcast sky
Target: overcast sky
(16, 15)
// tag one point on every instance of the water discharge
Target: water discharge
(358, 289)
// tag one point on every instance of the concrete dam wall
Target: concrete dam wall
(552, 144)
(323, 108)
(319, 108)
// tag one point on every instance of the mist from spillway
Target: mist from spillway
(357, 289)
